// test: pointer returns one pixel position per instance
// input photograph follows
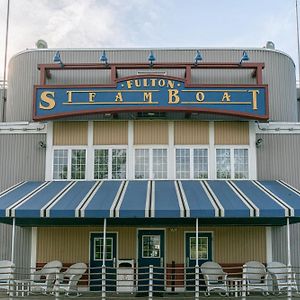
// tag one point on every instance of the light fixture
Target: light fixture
(198, 57)
(245, 57)
(103, 58)
(151, 58)
(259, 142)
(42, 144)
(57, 59)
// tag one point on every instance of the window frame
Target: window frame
(232, 171)
(151, 148)
(191, 149)
(69, 171)
(110, 149)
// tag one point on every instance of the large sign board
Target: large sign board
(151, 94)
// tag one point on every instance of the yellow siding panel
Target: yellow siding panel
(70, 133)
(231, 133)
(150, 132)
(111, 133)
(191, 133)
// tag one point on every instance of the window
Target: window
(241, 163)
(192, 163)
(151, 163)
(101, 164)
(78, 164)
(98, 248)
(110, 164)
(223, 164)
(69, 164)
(200, 163)
(151, 246)
(60, 164)
(202, 248)
(232, 163)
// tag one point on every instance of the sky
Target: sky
(148, 24)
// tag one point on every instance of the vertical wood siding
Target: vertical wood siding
(230, 244)
(150, 132)
(231, 133)
(191, 133)
(70, 133)
(111, 133)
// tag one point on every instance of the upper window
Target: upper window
(151, 163)
(232, 163)
(191, 163)
(69, 164)
(110, 164)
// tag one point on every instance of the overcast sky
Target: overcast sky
(148, 23)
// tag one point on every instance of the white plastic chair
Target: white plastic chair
(67, 281)
(215, 278)
(255, 277)
(7, 270)
(279, 273)
(43, 280)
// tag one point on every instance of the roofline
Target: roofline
(156, 48)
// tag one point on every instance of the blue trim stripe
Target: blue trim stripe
(198, 201)
(234, 207)
(15, 195)
(65, 207)
(287, 195)
(134, 200)
(266, 205)
(32, 207)
(166, 202)
(100, 204)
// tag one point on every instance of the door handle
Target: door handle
(114, 262)
(161, 262)
(187, 262)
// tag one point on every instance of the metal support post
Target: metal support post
(103, 263)
(289, 264)
(197, 262)
(150, 296)
(12, 257)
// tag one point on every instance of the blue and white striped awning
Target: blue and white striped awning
(150, 199)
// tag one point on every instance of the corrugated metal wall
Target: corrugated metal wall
(279, 74)
(25, 160)
(232, 244)
(278, 158)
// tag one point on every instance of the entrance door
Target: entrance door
(151, 251)
(204, 254)
(96, 259)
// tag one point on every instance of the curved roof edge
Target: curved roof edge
(156, 48)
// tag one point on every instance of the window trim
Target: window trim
(191, 149)
(232, 148)
(151, 148)
(69, 149)
(110, 148)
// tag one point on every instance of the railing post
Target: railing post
(56, 286)
(289, 264)
(150, 297)
(103, 296)
(197, 282)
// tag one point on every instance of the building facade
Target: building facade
(175, 142)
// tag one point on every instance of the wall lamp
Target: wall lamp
(42, 144)
(198, 57)
(259, 142)
(57, 59)
(245, 57)
(151, 58)
(103, 58)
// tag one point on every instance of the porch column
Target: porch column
(197, 262)
(103, 262)
(288, 234)
(12, 258)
